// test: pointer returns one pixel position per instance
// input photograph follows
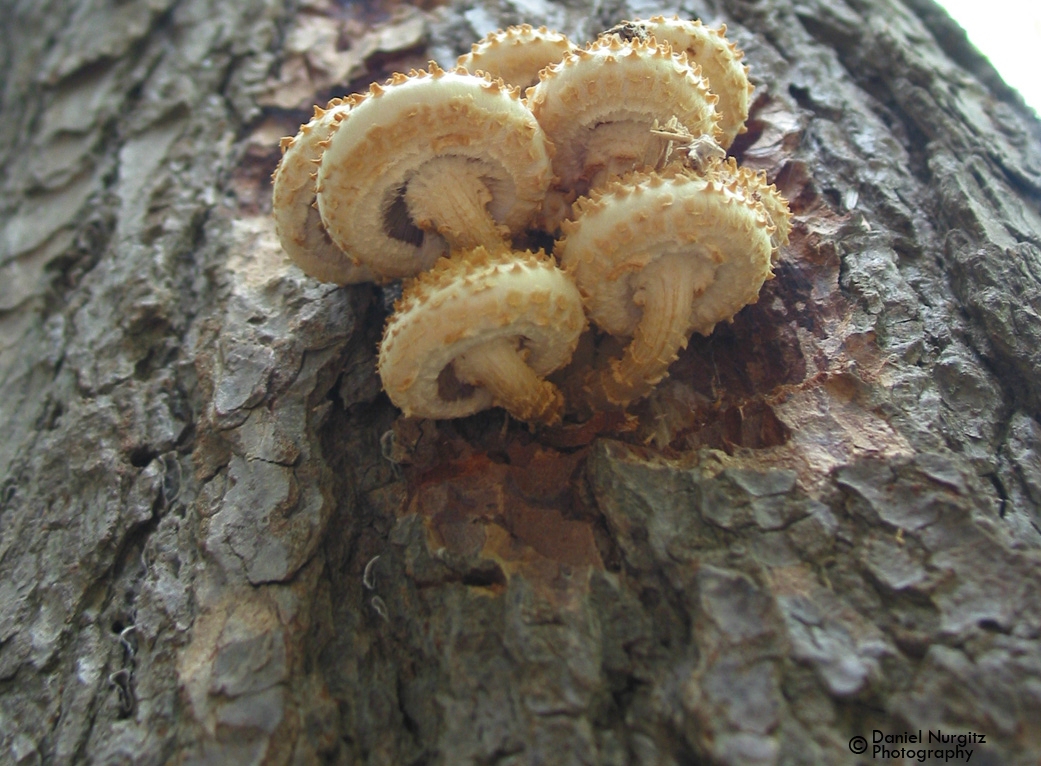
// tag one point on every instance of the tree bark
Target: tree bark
(222, 544)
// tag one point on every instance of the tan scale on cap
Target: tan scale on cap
(756, 186)
(719, 59)
(516, 54)
(660, 256)
(428, 162)
(297, 221)
(481, 330)
(599, 103)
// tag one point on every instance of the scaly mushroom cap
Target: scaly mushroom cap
(481, 330)
(659, 256)
(297, 221)
(719, 59)
(756, 186)
(599, 103)
(718, 224)
(516, 54)
(428, 161)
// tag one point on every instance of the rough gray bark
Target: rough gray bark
(825, 522)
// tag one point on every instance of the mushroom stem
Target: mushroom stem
(498, 367)
(666, 293)
(615, 148)
(448, 196)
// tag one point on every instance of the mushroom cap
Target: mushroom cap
(516, 54)
(719, 59)
(623, 87)
(756, 185)
(297, 221)
(468, 300)
(393, 130)
(716, 223)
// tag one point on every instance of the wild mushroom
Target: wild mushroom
(516, 54)
(756, 186)
(660, 256)
(719, 59)
(427, 163)
(482, 330)
(297, 222)
(599, 103)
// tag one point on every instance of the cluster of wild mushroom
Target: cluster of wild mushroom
(616, 153)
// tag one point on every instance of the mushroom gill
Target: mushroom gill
(516, 54)
(461, 153)
(660, 256)
(496, 323)
(719, 59)
(599, 103)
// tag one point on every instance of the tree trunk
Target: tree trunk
(222, 544)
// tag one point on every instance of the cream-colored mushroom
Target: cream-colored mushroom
(719, 59)
(756, 186)
(599, 103)
(660, 256)
(516, 54)
(428, 162)
(297, 222)
(482, 330)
